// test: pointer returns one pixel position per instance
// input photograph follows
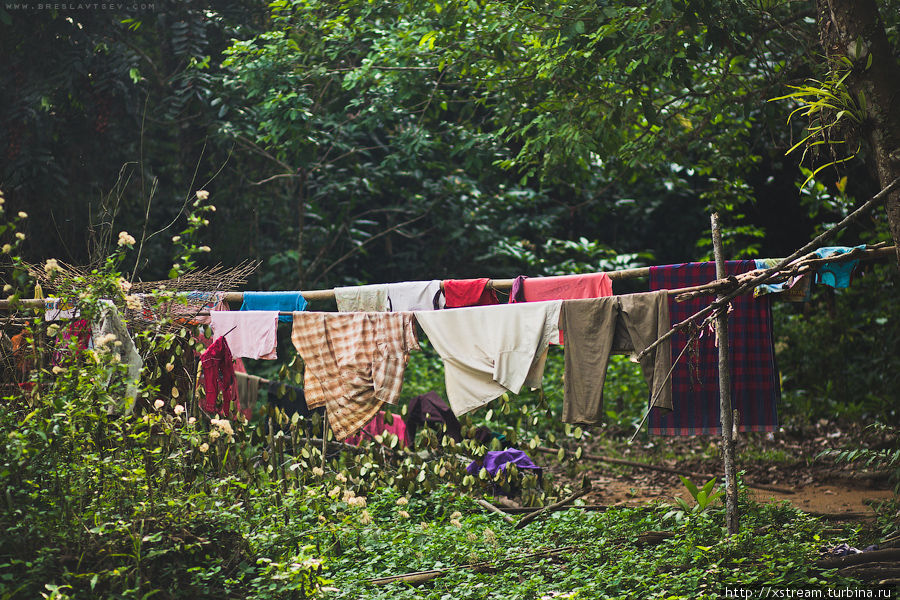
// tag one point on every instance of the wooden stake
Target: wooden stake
(732, 522)
(553, 507)
(494, 509)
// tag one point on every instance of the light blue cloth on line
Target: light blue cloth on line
(769, 288)
(280, 301)
(836, 274)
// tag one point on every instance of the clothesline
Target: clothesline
(871, 253)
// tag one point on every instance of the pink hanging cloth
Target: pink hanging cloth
(565, 287)
(378, 426)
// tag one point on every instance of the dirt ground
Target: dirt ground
(788, 460)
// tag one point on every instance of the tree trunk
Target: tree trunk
(854, 29)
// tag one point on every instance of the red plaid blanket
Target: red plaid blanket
(695, 380)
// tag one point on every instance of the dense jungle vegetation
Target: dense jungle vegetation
(358, 142)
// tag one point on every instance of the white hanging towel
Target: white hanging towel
(249, 333)
(489, 350)
(415, 295)
(109, 332)
(362, 298)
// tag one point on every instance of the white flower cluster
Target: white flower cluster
(125, 239)
(133, 302)
(51, 267)
(222, 424)
(105, 339)
(352, 499)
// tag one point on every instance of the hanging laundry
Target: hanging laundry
(431, 410)
(58, 309)
(836, 274)
(516, 292)
(78, 330)
(695, 379)
(362, 298)
(795, 289)
(110, 332)
(189, 308)
(495, 461)
(250, 334)
(591, 327)
(354, 363)
(23, 352)
(290, 398)
(469, 292)
(277, 301)
(490, 350)
(247, 393)
(218, 378)
(415, 295)
(566, 287)
(379, 426)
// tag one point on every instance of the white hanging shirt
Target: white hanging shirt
(489, 350)
(414, 295)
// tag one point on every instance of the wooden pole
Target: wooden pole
(494, 509)
(726, 416)
(552, 507)
(753, 278)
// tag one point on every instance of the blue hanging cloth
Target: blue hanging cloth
(280, 301)
(836, 274)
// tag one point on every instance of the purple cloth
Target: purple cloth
(695, 379)
(517, 293)
(496, 460)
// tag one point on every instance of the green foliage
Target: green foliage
(828, 105)
(884, 458)
(704, 498)
(603, 557)
(105, 499)
(827, 351)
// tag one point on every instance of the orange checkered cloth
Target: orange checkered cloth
(354, 363)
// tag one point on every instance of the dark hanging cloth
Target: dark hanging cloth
(431, 410)
(290, 399)
(695, 379)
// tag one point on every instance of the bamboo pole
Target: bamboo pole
(726, 417)
(505, 284)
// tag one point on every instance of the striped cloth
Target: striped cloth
(354, 363)
(695, 380)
